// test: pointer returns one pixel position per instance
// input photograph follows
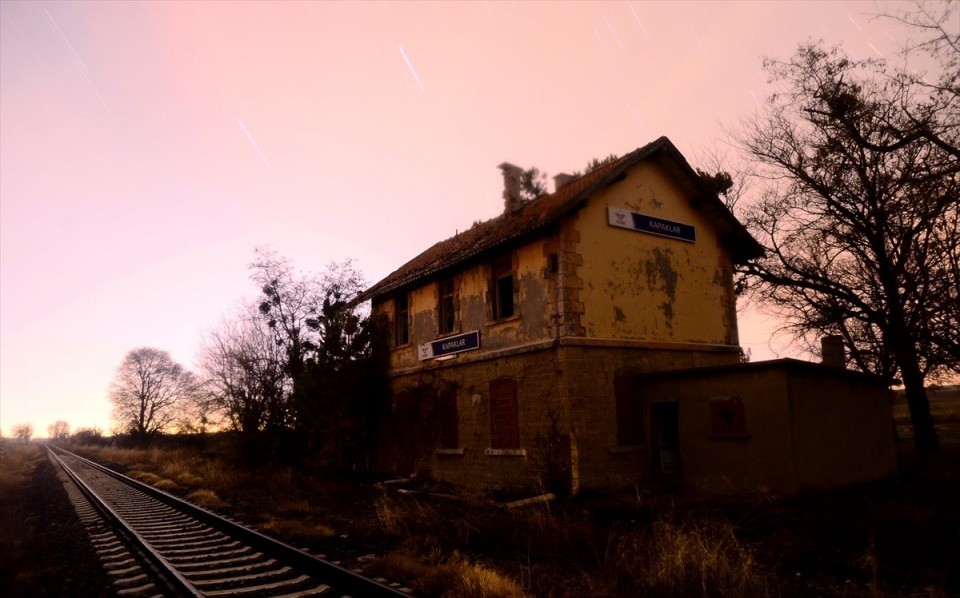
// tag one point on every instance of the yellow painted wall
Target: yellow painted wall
(760, 462)
(829, 453)
(615, 283)
(643, 286)
(807, 428)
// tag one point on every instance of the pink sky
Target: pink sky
(147, 148)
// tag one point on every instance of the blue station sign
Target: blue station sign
(468, 341)
(651, 224)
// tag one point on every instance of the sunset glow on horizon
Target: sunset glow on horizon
(147, 148)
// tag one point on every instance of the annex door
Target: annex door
(665, 432)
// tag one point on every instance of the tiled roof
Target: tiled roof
(535, 215)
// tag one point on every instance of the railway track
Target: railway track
(153, 543)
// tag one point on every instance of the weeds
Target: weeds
(634, 544)
(456, 576)
(389, 515)
(297, 528)
(207, 499)
(697, 559)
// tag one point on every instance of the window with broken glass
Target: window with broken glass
(401, 319)
(502, 288)
(446, 306)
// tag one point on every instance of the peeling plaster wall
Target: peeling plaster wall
(535, 305)
(617, 299)
(649, 287)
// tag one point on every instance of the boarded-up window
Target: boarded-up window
(504, 416)
(630, 424)
(449, 421)
(728, 416)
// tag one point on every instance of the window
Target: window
(449, 422)
(401, 320)
(502, 288)
(629, 405)
(446, 313)
(728, 417)
(504, 416)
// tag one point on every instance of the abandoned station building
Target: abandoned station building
(588, 339)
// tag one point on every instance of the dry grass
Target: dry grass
(146, 477)
(480, 581)
(14, 464)
(531, 550)
(207, 499)
(295, 528)
(389, 515)
(696, 559)
(456, 576)
(168, 485)
(624, 545)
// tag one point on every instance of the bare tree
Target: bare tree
(299, 307)
(23, 432)
(245, 372)
(146, 391)
(332, 359)
(859, 217)
(58, 431)
(289, 299)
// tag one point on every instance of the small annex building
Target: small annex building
(588, 339)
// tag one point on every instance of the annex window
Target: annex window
(629, 405)
(401, 319)
(728, 416)
(449, 421)
(504, 415)
(446, 306)
(502, 291)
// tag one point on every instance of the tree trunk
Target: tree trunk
(924, 434)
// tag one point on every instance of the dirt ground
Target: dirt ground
(44, 546)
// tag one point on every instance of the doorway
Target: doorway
(665, 428)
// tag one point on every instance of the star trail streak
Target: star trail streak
(413, 71)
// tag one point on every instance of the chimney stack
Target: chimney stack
(831, 351)
(511, 187)
(561, 180)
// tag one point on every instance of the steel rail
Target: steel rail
(167, 572)
(347, 582)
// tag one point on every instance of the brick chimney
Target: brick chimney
(511, 187)
(831, 351)
(561, 180)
